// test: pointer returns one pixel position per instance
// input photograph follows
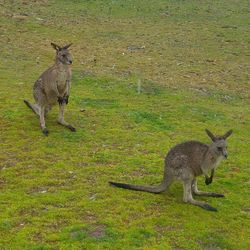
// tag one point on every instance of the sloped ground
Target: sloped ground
(146, 75)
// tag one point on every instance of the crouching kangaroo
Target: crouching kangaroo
(53, 86)
(185, 162)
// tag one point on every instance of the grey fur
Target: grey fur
(185, 162)
(53, 86)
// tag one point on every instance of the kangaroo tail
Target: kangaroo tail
(151, 189)
(33, 107)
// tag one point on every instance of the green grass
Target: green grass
(192, 74)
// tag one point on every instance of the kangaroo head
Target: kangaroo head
(62, 53)
(219, 145)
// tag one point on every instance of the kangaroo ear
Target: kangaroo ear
(210, 135)
(228, 133)
(67, 46)
(56, 47)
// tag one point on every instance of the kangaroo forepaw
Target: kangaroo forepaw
(66, 99)
(208, 181)
(71, 128)
(208, 207)
(45, 131)
(60, 100)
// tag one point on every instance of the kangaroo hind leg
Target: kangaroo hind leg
(46, 110)
(201, 193)
(188, 198)
(42, 121)
(61, 118)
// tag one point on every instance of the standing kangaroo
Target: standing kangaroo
(53, 86)
(185, 162)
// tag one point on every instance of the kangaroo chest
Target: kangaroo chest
(62, 80)
(211, 163)
(216, 162)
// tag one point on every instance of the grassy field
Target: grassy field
(148, 75)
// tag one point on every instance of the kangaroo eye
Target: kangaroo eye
(219, 148)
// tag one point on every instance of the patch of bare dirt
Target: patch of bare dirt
(98, 231)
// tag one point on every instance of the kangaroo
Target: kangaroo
(185, 162)
(53, 86)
